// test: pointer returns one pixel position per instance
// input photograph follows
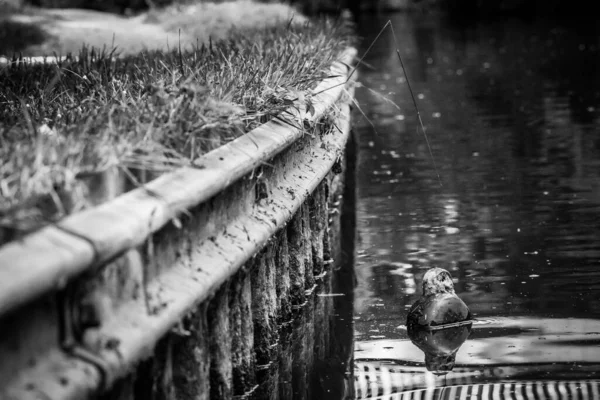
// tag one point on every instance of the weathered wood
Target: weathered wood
(306, 247)
(40, 263)
(296, 244)
(328, 256)
(285, 363)
(300, 356)
(269, 379)
(317, 206)
(142, 295)
(242, 333)
(282, 278)
(334, 222)
(191, 357)
(220, 346)
(264, 305)
(125, 222)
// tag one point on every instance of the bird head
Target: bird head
(436, 281)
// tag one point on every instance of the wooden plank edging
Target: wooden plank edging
(181, 287)
(134, 331)
(47, 259)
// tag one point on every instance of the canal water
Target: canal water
(506, 198)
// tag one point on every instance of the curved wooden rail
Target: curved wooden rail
(128, 331)
(48, 258)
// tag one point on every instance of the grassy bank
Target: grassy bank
(152, 111)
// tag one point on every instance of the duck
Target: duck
(438, 305)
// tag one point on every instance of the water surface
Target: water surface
(509, 203)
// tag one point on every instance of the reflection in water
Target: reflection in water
(512, 111)
(440, 346)
(534, 352)
(558, 390)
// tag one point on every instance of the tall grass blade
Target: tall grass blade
(414, 102)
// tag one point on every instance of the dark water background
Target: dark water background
(512, 112)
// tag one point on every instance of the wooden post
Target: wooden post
(307, 252)
(296, 257)
(282, 278)
(264, 305)
(269, 378)
(220, 345)
(317, 205)
(242, 333)
(191, 357)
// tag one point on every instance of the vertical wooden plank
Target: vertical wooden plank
(268, 378)
(307, 247)
(264, 305)
(334, 221)
(242, 334)
(317, 205)
(300, 378)
(270, 389)
(191, 357)
(220, 345)
(271, 292)
(296, 259)
(282, 278)
(285, 361)
(327, 237)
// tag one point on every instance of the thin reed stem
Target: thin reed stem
(414, 101)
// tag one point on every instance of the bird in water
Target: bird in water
(439, 304)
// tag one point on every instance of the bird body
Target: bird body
(439, 304)
(437, 309)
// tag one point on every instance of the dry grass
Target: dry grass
(154, 111)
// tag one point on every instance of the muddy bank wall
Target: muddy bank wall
(204, 283)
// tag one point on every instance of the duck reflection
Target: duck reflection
(440, 346)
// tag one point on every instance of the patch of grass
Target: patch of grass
(153, 111)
